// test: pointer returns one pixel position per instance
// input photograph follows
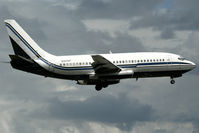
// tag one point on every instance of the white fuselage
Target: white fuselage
(138, 62)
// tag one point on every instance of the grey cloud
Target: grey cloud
(176, 103)
(32, 24)
(32, 102)
(97, 42)
(196, 127)
(128, 43)
(178, 20)
(4, 13)
(115, 8)
(61, 35)
(190, 49)
(70, 36)
(183, 15)
(160, 131)
(104, 108)
(167, 34)
(33, 27)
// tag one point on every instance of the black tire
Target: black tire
(98, 87)
(172, 81)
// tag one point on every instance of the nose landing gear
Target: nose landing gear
(172, 81)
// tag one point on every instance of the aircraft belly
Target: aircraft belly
(73, 72)
(151, 68)
(178, 67)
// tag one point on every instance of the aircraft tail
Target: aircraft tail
(23, 45)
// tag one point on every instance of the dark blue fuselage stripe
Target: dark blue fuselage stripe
(86, 67)
(150, 64)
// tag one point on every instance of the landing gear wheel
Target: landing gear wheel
(98, 87)
(172, 81)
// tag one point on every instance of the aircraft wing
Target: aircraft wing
(101, 65)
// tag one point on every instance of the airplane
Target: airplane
(100, 70)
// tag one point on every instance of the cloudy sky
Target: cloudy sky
(31, 103)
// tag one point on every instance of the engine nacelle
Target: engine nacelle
(94, 82)
(82, 82)
(120, 75)
(126, 73)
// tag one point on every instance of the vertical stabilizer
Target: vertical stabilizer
(22, 43)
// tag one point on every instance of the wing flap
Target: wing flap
(101, 65)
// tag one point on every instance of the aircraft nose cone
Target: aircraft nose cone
(193, 65)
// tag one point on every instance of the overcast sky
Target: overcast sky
(32, 104)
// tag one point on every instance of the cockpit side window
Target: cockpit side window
(181, 58)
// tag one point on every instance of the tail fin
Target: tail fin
(22, 43)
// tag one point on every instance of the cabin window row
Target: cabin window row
(116, 62)
(75, 64)
(139, 61)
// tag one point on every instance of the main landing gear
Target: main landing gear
(99, 87)
(172, 81)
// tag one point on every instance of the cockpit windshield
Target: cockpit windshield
(181, 58)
